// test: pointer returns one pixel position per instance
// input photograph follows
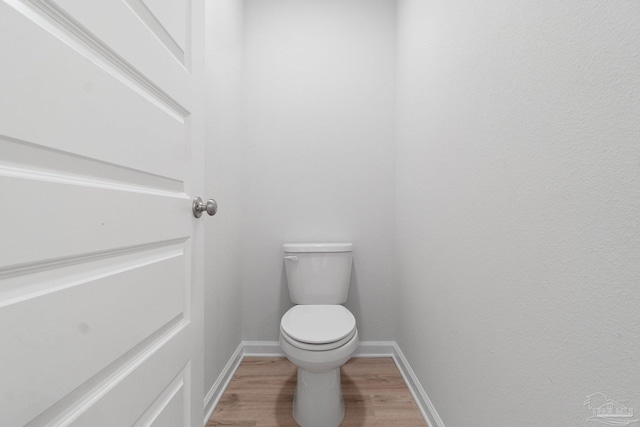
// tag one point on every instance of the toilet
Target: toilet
(318, 334)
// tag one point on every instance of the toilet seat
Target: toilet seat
(317, 347)
(318, 327)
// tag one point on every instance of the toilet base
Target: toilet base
(318, 400)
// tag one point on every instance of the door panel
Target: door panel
(64, 94)
(163, 61)
(99, 312)
(65, 210)
(163, 390)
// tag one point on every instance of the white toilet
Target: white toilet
(318, 335)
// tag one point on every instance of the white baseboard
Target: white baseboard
(419, 395)
(375, 349)
(262, 349)
(272, 349)
(365, 349)
(220, 385)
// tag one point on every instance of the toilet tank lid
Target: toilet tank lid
(318, 247)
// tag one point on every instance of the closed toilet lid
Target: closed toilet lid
(318, 324)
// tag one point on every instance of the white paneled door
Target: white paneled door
(100, 255)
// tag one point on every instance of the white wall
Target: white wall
(319, 103)
(518, 206)
(224, 182)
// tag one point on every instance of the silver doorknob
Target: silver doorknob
(198, 206)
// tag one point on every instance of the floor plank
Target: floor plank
(260, 394)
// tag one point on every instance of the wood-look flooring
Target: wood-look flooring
(260, 394)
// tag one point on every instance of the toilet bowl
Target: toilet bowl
(318, 339)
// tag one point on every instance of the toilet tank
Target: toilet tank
(318, 273)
